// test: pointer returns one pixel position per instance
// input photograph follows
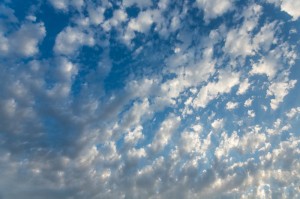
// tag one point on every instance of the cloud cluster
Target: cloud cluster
(149, 99)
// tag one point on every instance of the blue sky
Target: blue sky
(149, 99)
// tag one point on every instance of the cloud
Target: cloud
(217, 124)
(231, 105)
(66, 4)
(212, 90)
(291, 7)
(70, 39)
(162, 120)
(239, 40)
(141, 4)
(163, 135)
(251, 113)
(292, 113)
(215, 8)
(279, 90)
(243, 87)
(24, 41)
(248, 102)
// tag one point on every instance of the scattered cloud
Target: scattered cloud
(149, 99)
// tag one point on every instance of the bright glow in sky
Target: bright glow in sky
(152, 99)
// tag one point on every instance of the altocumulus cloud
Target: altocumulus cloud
(149, 99)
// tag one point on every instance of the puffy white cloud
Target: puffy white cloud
(190, 142)
(227, 144)
(248, 102)
(291, 7)
(23, 42)
(163, 135)
(267, 66)
(212, 90)
(134, 136)
(231, 105)
(238, 43)
(251, 113)
(71, 39)
(279, 90)
(217, 124)
(137, 112)
(96, 15)
(292, 113)
(65, 4)
(136, 153)
(119, 17)
(239, 40)
(243, 87)
(142, 23)
(214, 8)
(140, 3)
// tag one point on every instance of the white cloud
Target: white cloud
(119, 17)
(65, 4)
(138, 111)
(71, 39)
(217, 124)
(212, 90)
(267, 66)
(134, 136)
(231, 105)
(190, 142)
(279, 90)
(214, 8)
(265, 37)
(243, 87)
(197, 128)
(293, 112)
(248, 102)
(96, 15)
(238, 43)
(140, 3)
(23, 42)
(292, 7)
(142, 23)
(136, 153)
(227, 144)
(163, 135)
(239, 40)
(251, 113)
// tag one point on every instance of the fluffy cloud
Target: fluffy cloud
(279, 90)
(289, 6)
(70, 39)
(292, 7)
(226, 81)
(248, 102)
(164, 134)
(66, 4)
(24, 41)
(217, 124)
(215, 8)
(243, 87)
(231, 105)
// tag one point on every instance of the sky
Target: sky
(131, 99)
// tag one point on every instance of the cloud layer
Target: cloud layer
(149, 99)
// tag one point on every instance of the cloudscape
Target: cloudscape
(158, 99)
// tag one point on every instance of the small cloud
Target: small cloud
(231, 105)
